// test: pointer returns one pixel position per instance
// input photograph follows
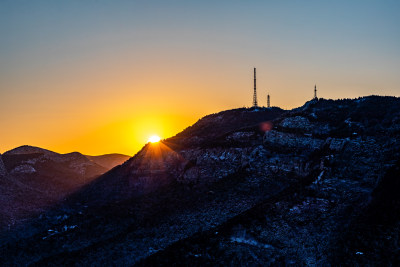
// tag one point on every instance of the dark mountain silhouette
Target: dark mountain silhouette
(34, 178)
(241, 187)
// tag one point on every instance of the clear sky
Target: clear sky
(102, 76)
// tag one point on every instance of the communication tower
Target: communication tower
(255, 91)
(315, 92)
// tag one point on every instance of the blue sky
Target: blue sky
(184, 57)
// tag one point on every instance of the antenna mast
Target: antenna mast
(255, 91)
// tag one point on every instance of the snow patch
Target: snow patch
(25, 168)
(249, 242)
(319, 178)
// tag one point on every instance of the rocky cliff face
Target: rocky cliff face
(285, 189)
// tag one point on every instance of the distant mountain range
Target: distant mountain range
(315, 185)
(109, 161)
(33, 178)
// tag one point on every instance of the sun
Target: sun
(154, 139)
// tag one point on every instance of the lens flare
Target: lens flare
(154, 139)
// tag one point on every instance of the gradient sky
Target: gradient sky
(102, 76)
